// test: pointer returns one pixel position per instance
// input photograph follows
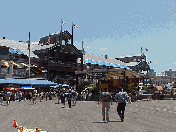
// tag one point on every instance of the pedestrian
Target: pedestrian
(63, 96)
(30, 96)
(58, 96)
(40, 96)
(106, 99)
(121, 97)
(129, 100)
(83, 93)
(19, 96)
(15, 95)
(12, 96)
(34, 98)
(90, 96)
(69, 97)
(46, 95)
(74, 93)
(1, 98)
(7, 95)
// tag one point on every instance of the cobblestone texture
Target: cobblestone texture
(143, 116)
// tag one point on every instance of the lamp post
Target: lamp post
(29, 55)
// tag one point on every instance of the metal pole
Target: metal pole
(48, 64)
(124, 78)
(61, 35)
(82, 58)
(12, 68)
(72, 34)
(29, 56)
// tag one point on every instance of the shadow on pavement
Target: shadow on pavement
(101, 122)
(106, 121)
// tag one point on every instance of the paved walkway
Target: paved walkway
(143, 116)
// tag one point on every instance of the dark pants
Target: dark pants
(69, 103)
(121, 109)
(19, 98)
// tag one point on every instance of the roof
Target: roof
(97, 59)
(21, 47)
(26, 81)
(131, 64)
(133, 55)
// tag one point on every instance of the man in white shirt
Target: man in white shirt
(121, 97)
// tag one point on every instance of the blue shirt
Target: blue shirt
(69, 96)
(121, 97)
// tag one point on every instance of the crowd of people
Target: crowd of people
(71, 96)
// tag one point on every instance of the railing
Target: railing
(64, 64)
(55, 78)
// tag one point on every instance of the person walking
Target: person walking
(121, 97)
(1, 98)
(58, 96)
(34, 98)
(74, 93)
(30, 96)
(129, 100)
(19, 96)
(69, 97)
(7, 95)
(90, 96)
(40, 96)
(106, 99)
(46, 95)
(63, 96)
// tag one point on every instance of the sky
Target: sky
(113, 28)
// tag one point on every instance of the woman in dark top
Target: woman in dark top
(63, 96)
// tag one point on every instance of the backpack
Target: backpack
(105, 97)
(69, 95)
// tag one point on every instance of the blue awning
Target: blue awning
(104, 63)
(17, 51)
(12, 51)
(65, 85)
(26, 81)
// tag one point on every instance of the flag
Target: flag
(146, 49)
(63, 22)
(75, 26)
(149, 62)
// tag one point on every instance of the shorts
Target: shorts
(34, 98)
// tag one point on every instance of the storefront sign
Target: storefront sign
(97, 75)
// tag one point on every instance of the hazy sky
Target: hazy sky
(114, 28)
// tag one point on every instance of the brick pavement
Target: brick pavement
(143, 116)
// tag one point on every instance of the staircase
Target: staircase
(55, 78)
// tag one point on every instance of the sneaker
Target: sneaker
(103, 119)
(122, 120)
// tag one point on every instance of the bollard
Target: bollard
(21, 129)
(37, 129)
(14, 124)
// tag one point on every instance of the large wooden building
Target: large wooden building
(59, 60)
